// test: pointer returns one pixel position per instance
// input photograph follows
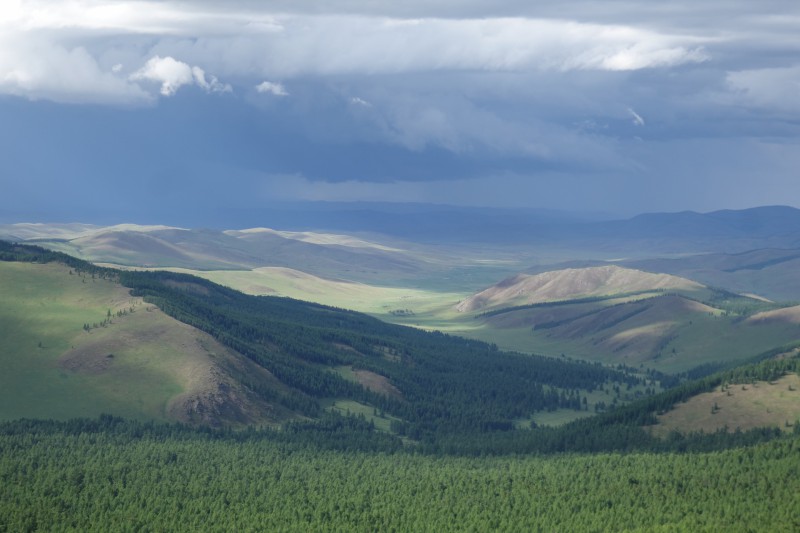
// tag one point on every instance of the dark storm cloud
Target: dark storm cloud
(633, 105)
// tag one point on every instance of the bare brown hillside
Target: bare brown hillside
(571, 283)
(790, 315)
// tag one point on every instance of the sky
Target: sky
(149, 110)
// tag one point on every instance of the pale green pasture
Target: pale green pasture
(42, 315)
(351, 407)
(559, 417)
(744, 406)
(372, 299)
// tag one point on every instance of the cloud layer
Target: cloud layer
(634, 104)
(75, 37)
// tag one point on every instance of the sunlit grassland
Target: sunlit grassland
(53, 368)
(394, 303)
(382, 421)
(737, 405)
(41, 317)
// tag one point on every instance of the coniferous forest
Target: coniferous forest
(115, 475)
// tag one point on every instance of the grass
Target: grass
(370, 380)
(669, 340)
(42, 316)
(607, 394)
(739, 405)
(351, 407)
(559, 417)
(136, 366)
(389, 303)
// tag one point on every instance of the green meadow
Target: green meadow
(132, 361)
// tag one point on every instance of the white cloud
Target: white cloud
(637, 118)
(33, 67)
(328, 45)
(282, 39)
(174, 74)
(245, 39)
(170, 73)
(212, 84)
(275, 89)
(360, 101)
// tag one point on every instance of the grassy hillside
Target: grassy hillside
(594, 313)
(571, 284)
(430, 289)
(737, 406)
(310, 359)
(131, 360)
(668, 333)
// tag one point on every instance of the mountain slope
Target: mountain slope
(73, 344)
(569, 284)
(737, 406)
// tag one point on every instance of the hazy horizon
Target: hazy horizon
(292, 215)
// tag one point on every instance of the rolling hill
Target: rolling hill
(619, 315)
(736, 406)
(323, 254)
(570, 284)
(646, 234)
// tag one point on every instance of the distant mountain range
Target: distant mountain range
(728, 231)
(753, 250)
(725, 230)
(687, 231)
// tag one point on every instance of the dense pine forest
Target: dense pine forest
(113, 475)
(452, 460)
